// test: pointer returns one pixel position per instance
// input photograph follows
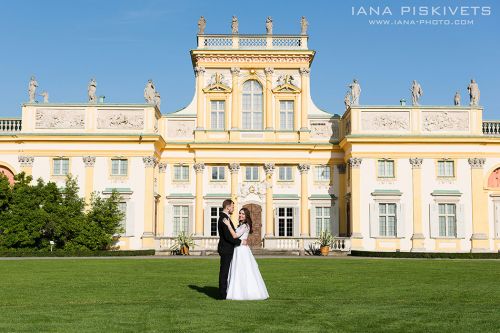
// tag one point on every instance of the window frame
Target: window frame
(291, 174)
(252, 109)
(53, 166)
(258, 173)
(181, 180)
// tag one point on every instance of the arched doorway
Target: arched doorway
(8, 173)
(494, 179)
(255, 239)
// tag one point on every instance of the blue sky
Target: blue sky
(124, 43)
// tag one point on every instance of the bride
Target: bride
(245, 281)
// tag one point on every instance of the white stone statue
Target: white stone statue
(269, 25)
(202, 23)
(416, 92)
(355, 92)
(456, 99)
(347, 100)
(91, 89)
(45, 96)
(149, 92)
(157, 99)
(234, 25)
(474, 92)
(32, 89)
(303, 25)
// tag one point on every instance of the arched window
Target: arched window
(494, 179)
(252, 105)
(9, 174)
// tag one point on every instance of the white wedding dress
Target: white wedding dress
(245, 281)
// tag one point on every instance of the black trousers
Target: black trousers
(225, 262)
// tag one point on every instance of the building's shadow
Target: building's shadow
(212, 292)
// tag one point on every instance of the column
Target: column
(26, 163)
(269, 98)
(89, 162)
(356, 236)
(198, 226)
(417, 239)
(162, 168)
(200, 106)
(304, 98)
(148, 236)
(234, 169)
(342, 208)
(269, 169)
(304, 200)
(480, 230)
(235, 119)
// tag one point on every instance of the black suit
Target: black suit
(225, 248)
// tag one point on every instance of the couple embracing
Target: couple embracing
(239, 275)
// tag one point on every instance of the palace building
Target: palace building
(379, 177)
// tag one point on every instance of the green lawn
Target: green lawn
(310, 295)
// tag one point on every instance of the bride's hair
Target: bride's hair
(248, 219)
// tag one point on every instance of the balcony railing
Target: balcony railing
(10, 125)
(491, 127)
(253, 42)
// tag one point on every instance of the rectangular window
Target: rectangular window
(447, 220)
(446, 168)
(217, 114)
(214, 218)
(218, 173)
(181, 219)
(181, 172)
(323, 220)
(286, 115)
(61, 166)
(122, 206)
(387, 219)
(285, 174)
(386, 168)
(285, 221)
(119, 167)
(252, 173)
(322, 173)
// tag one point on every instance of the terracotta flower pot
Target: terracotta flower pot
(185, 250)
(325, 250)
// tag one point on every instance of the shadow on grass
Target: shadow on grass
(212, 292)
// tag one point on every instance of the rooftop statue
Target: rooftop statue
(416, 92)
(303, 25)
(474, 92)
(202, 23)
(269, 25)
(355, 92)
(32, 89)
(234, 25)
(45, 96)
(91, 89)
(456, 99)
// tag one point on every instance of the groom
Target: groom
(226, 245)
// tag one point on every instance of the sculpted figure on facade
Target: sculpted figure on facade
(474, 92)
(45, 96)
(269, 25)
(347, 100)
(32, 89)
(91, 89)
(202, 23)
(355, 92)
(303, 25)
(456, 99)
(234, 25)
(416, 92)
(149, 92)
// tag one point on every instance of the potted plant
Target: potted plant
(325, 241)
(183, 243)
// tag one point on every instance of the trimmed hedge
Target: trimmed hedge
(62, 253)
(426, 255)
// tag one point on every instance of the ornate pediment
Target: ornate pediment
(286, 85)
(217, 85)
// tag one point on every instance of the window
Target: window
(61, 166)
(387, 219)
(447, 220)
(252, 105)
(119, 167)
(285, 221)
(252, 173)
(218, 173)
(446, 168)
(386, 169)
(214, 218)
(181, 219)
(286, 115)
(285, 174)
(122, 206)
(322, 219)
(217, 117)
(322, 173)
(181, 172)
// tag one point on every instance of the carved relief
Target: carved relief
(445, 121)
(258, 189)
(67, 119)
(385, 121)
(180, 129)
(119, 119)
(252, 58)
(324, 129)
